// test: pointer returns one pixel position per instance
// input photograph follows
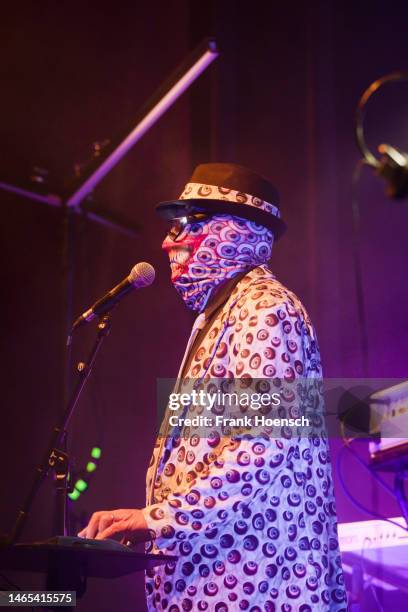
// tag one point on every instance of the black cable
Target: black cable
(358, 273)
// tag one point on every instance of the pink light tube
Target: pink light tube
(208, 56)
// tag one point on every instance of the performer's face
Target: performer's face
(183, 240)
(206, 251)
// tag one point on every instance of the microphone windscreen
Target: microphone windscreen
(142, 274)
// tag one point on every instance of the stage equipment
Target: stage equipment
(69, 562)
(374, 555)
(389, 415)
(79, 481)
(388, 447)
(393, 163)
(141, 275)
(393, 167)
(56, 457)
(353, 411)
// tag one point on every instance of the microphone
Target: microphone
(141, 275)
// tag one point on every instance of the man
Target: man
(249, 514)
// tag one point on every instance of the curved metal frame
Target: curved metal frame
(393, 77)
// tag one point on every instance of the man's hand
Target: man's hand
(125, 525)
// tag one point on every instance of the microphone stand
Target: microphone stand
(56, 456)
(69, 561)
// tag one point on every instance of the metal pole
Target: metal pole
(161, 102)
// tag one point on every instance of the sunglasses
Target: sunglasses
(179, 224)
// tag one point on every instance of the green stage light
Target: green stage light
(74, 495)
(81, 485)
(90, 466)
(96, 452)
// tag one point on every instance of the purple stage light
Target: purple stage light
(151, 117)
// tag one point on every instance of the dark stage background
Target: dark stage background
(280, 99)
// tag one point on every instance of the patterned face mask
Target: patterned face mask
(206, 251)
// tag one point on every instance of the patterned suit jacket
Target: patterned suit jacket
(251, 518)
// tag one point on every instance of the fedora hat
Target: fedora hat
(228, 189)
